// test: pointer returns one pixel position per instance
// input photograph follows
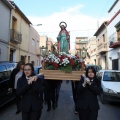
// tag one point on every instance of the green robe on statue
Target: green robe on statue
(63, 42)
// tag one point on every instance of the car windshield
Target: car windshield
(111, 76)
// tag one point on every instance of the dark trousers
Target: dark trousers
(51, 97)
(57, 90)
(88, 114)
(50, 93)
(32, 115)
(17, 100)
(74, 91)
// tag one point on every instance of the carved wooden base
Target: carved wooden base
(59, 75)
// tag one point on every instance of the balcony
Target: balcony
(15, 36)
(81, 42)
(102, 48)
(38, 52)
(114, 41)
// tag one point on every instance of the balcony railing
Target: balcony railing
(114, 41)
(102, 48)
(15, 36)
(81, 42)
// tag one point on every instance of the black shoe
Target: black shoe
(18, 111)
(53, 106)
(76, 112)
(48, 109)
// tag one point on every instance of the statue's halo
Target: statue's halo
(62, 24)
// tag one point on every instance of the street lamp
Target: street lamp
(36, 25)
(83, 53)
(43, 51)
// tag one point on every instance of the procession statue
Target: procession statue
(63, 38)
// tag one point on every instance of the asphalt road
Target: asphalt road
(65, 109)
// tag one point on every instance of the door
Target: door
(115, 64)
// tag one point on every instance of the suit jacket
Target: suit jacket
(32, 95)
(87, 96)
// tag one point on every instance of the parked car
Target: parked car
(110, 82)
(5, 71)
(36, 69)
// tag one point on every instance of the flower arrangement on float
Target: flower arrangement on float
(62, 61)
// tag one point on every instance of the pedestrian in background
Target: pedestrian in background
(74, 85)
(87, 91)
(32, 94)
(50, 94)
(15, 75)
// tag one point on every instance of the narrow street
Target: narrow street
(65, 109)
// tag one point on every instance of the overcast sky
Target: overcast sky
(82, 16)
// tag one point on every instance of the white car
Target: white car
(110, 82)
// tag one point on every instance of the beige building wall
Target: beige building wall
(91, 56)
(49, 44)
(80, 42)
(102, 46)
(33, 55)
(21, 25)
(43, 41)
(72, 52)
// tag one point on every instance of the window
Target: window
(33, 42)
(103, 38)
(28, 59)
(11, 55)
(14, 23)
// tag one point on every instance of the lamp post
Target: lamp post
(43, 51)
(36, 25)
(83, 53)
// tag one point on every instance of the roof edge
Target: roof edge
(22, 14)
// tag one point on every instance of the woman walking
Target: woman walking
(32, 94)
(15, 75)
(87, 91)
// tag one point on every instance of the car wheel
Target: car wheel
(102, 98)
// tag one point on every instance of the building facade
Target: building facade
(91, 51)
(5, 15)
(102, 46)
(81, 47)
(33, 55)
(19, 35)
(113, 29)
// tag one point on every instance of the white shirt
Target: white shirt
(18, 75)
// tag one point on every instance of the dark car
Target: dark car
(5, 71)
(97, 68)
